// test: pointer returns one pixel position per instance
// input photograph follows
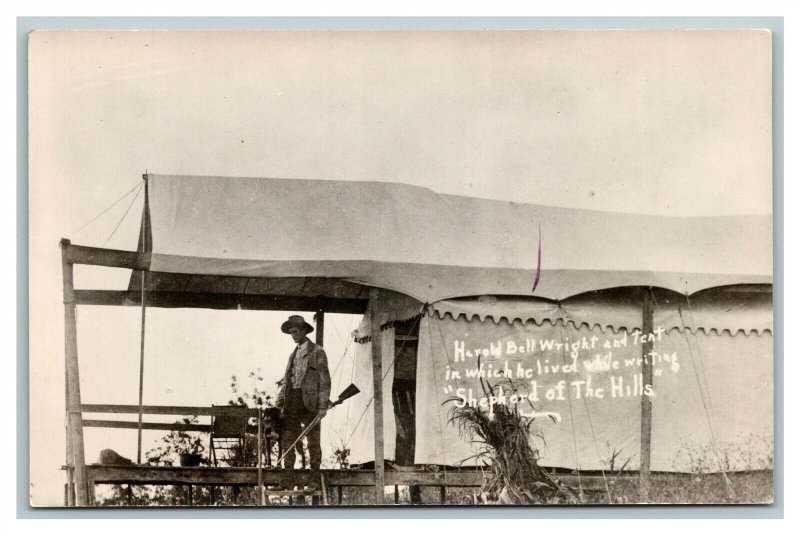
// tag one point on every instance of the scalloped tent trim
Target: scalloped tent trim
(731, 310)
(595, 325)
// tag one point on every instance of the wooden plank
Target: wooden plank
(202, 475)
(168, 475)
(159, 409)
(423, 478)
(377, 391)
(293, 493)
(647, 405)
(117, 424)
(221, 301)
(249, 476)
(96, 256)
(73, 401)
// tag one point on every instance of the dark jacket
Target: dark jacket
(316, 385)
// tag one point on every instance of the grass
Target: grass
(754, 487)
(749, 488)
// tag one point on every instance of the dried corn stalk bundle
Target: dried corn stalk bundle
(506, 450)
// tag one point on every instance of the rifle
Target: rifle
(346, 394)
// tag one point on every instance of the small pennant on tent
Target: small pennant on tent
(538, 261)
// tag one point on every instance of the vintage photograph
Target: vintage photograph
(423, 267)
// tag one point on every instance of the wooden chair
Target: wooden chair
(228, 435)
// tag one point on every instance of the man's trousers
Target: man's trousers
(297, 417)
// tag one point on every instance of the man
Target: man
(305, 391)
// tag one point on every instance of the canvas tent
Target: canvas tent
(431, 247)
(462, 267)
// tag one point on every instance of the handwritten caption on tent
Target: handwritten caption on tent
(551, 370)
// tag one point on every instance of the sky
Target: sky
(652, 122)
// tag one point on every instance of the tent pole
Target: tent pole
(74, 415)
(145, 245)
(647, 406)
(141, 376)
(377, 389)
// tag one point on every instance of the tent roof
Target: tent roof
(431, 246)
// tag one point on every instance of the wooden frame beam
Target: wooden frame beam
(377, 393)
(647, 404)
(221, 301)
(96, 256)
(203, 475)
(73, 385)
(163, 426)
(162, 409)
(166, 475)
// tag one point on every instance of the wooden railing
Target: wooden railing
(163, 410)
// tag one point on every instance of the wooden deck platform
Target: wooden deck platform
(221, 476)
(335, 479)
(278, 477)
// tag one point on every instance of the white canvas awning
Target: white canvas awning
(342, 235)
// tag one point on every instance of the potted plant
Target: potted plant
(190, 459)
(186, 448)
(189, 449)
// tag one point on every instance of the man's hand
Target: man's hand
(322, 413)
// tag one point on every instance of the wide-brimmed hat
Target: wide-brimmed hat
(296, 321)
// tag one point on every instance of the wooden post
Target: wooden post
(262, 498)
(647, 406)
(377, 390)
(92, 489)
(339, 494)
(73, 401)
(323, 483)
(319, 319)
(70, 496)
